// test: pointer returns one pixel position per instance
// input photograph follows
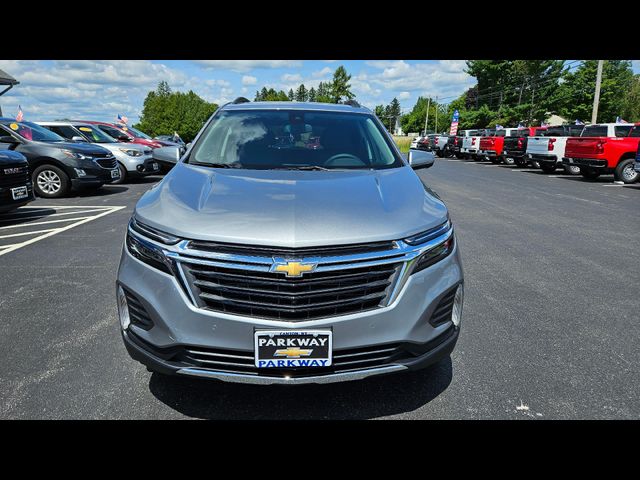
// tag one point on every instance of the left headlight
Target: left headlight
(76, 155)
(438, 243)
(131, 152)
(142, 243)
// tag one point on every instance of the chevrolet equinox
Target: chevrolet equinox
(292, 243)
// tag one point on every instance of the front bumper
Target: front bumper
(584, 162)
(178, 324)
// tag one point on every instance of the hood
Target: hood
(11, 157)
(119, 145)
(79, 147)
(290, 208)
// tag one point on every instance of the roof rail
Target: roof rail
(241, 100)
(352, 103)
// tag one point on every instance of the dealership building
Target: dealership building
(7, 82)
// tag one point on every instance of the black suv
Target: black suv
(16, 188)
(56, 165)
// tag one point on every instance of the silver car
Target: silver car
(292, 243)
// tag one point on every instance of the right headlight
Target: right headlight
(142, 242)
(131, 152)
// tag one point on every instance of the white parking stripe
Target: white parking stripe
(22, 234)
(39, 215)
(44, 223)
(51, 232)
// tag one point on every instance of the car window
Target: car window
(94, 134)
(32, 131)
(63, 130)
(623, 130)
(138, 133)
(595, 131)
(553, 132)
(266, 139)
(635, 132)
(111, 131)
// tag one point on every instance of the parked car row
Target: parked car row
(49, 159)
(590, 151)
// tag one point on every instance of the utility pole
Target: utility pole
(436, 114)
(596, 96)
(426, 121)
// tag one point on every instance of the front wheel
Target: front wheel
(625, 171)
(548, 168)
(50, 182)
(589, 174)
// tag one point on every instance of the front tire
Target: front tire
(571, 170)
(625, 172)
(589, 174)
(50, 182)
(123, 175)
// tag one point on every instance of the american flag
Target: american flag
(578, 122)
(122, 119)
(499, 127)
(20, 115)
(620, 120)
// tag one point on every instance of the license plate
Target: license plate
(115, 173)
(293, 349)
(19, 193)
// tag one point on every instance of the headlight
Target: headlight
(131, 152)
(76, 155)
(438, 243)
(141, 243)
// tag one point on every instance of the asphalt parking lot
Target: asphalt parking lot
(550, 325)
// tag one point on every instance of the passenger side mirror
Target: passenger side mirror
(79, 139)
(167, 154)
(421, 159)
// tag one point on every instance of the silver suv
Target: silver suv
(292, 243)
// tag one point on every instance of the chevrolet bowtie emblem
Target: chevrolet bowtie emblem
(293, 352)
(293, 269)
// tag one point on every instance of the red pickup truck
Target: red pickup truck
(605, 148)
(492, 143)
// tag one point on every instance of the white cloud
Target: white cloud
(291, 77)
(322, 73)
(249, 80)
(404, 95)
(247, 65)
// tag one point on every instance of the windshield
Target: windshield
(137, 133)
(267, 139)
(31, 131)
(94, 134)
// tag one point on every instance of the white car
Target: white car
(133, 160)
(414, 142)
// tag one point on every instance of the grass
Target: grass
(403, 143)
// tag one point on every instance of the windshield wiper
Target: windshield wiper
(303, 167)
(217, 165)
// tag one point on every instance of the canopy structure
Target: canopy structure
(6, 83)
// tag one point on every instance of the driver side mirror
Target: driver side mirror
(78, 138)
(9, 139)
(421, 159)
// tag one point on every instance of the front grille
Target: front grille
(273, 296)
(108, 162)
(137, 313)
(290, 252)
(18, 179)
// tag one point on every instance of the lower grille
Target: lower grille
(109, 162)
(273, 296)
(137, 313)
(17, 179)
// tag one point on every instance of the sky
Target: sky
(100, 90)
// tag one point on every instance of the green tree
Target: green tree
(631, 104)
(324, 93)
(301, 94)
(165, 112)
(291, 96)
(578, 88)
(311, 97)
(340, 87)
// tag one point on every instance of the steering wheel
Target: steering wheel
(344, 160)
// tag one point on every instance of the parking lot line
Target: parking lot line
(50, 232)
(5, 218)
(44, 223)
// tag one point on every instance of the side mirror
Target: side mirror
(189, 145)
(9, 139)
(123, 138)
(421, 159)
(167, 154)
(79, 139)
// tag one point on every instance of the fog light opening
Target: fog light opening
(456, 314)
(123, 309)
(80, 172)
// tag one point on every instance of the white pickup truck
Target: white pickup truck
(470, 143)
(548, 149)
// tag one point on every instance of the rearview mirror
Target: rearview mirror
(421, 159)
(79, 139)
(167, 154)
